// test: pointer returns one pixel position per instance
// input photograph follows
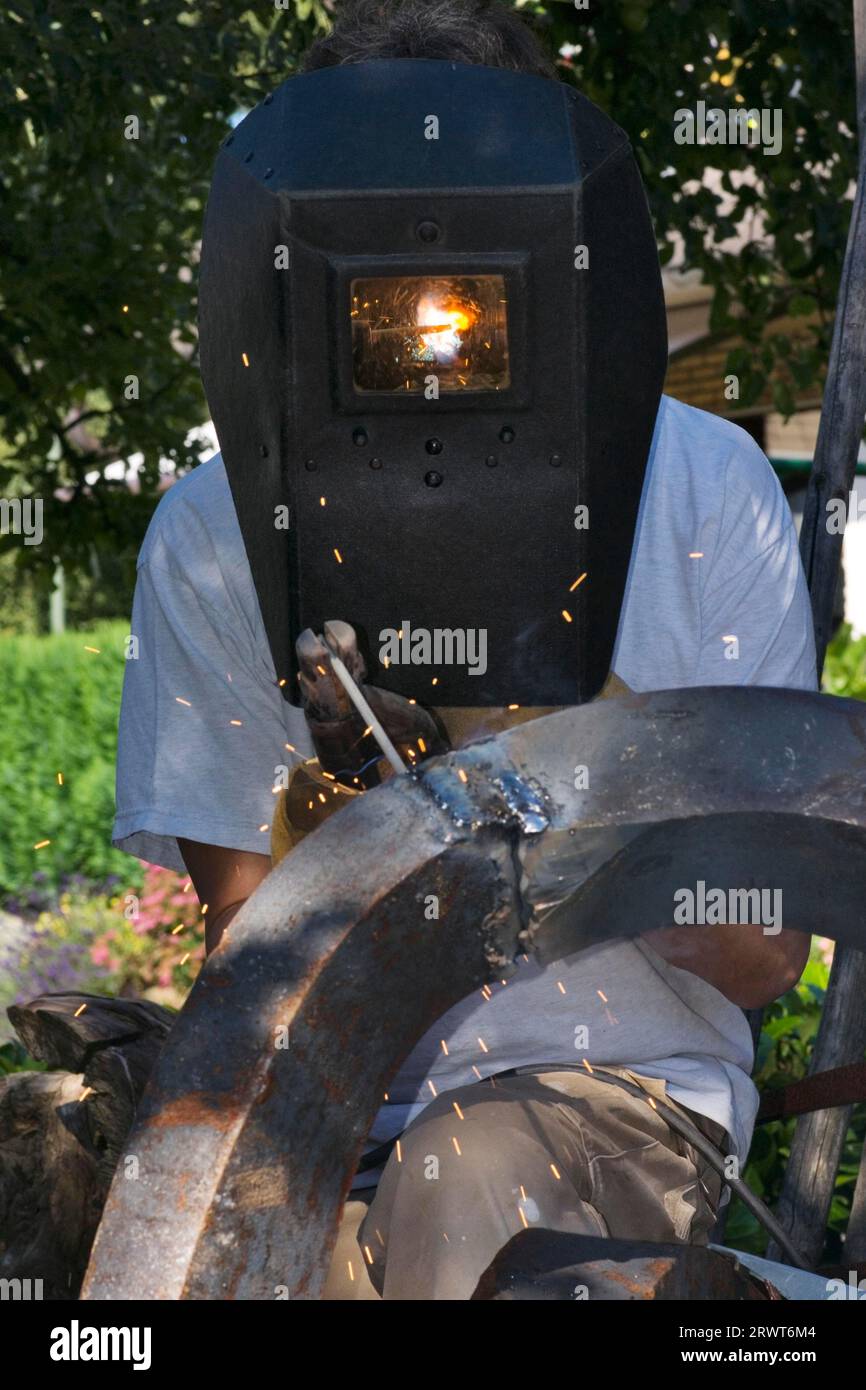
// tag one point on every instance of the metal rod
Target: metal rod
(363, 708)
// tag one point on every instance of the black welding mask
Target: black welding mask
(432, 338)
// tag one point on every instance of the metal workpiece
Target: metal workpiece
(422, 891)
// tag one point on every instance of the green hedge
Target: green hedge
(60, 707)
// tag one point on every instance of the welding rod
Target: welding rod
(363, 708)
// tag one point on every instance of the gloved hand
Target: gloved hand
(342, 746)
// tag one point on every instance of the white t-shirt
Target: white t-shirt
(204, 725)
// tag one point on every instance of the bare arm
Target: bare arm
(224, 879)
(748, 966)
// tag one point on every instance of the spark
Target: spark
(462, 775)
(60, 779)
(588, 1067)
(88, 1091)
(322, 502)
(487, 992)
(282, 682)
(696, 554)
(602, 996)
(432, 1087)
(96, 650)
(187, 885)
(443, 1044)
(322, 797)
(178, 928)
(422, 745)
(456, 1146)
(184, 959)
(351, 1271)
(445, 1236)
(567, 616)
(730, 638)
(182, 702)
(477, 1072)
(40, 844)
(203, 909)
(652, 1102)
(262, 828)
(245, 359)
(523, 1218)
(79, 1011)
(560, 986)
(577, 581)
(369, 1254)
(556, 1173)
(330, 775)
(386, 1095)
(125, 308)
(321, 670)
(399, 1152)
(482, 1044)
(237, 723)
(522, 1191)
(435, 680)
(386, 662)
(460, 1114)
(368, 730)
(514, 707)
(338, 555)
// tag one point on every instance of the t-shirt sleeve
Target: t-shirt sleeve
(203, 725)
(756, 617)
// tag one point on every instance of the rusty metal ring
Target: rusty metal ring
(246, 1150)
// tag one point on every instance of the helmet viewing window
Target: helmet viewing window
(406, 328)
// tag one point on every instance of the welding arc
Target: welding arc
(361, 705)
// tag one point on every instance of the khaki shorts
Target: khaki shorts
(564, 1151)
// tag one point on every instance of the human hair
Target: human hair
(466, 31)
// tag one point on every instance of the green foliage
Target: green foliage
(60, 716)
(14, 1057)
(643, 61)
(845, 666)
(99, 239)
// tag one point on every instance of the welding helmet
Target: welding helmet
(432, 339)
